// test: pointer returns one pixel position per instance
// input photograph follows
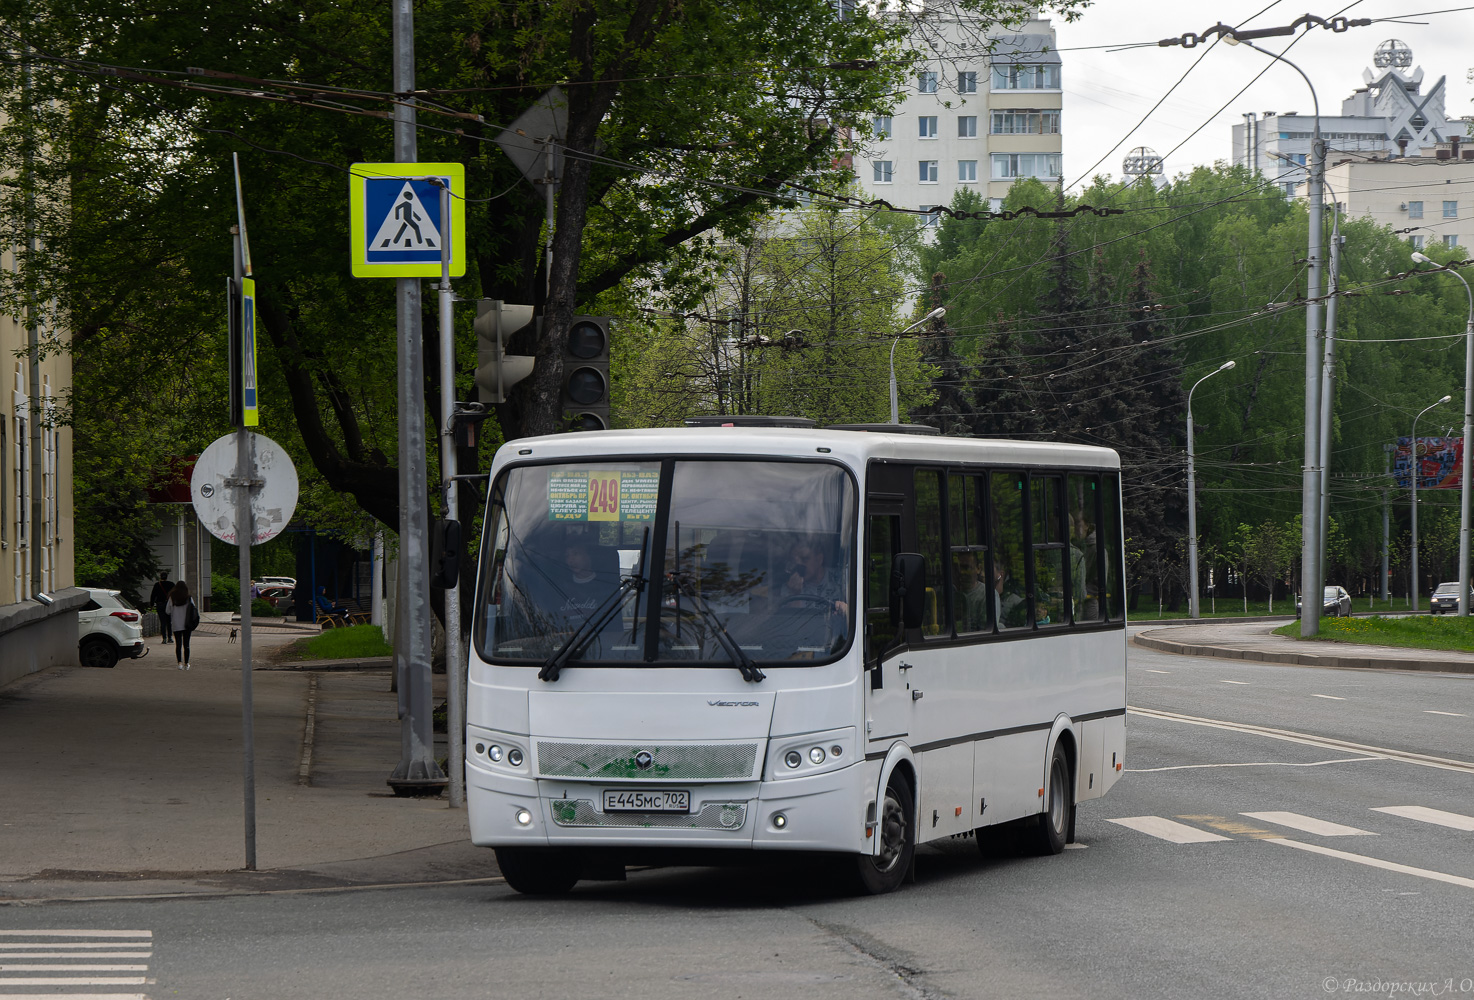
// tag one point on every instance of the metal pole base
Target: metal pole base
(424, 780)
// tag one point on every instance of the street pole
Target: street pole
(936, 313)
(1192, 499)
(1468, 436)
(1328, 376)
(245, 532)
(1413, 474)
(417, 772)
(454, 664)
(1386, 523)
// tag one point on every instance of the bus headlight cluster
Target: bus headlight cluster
(817, 752)
(496, 753)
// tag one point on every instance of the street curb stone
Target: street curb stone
(1151, 641)
(361, 663)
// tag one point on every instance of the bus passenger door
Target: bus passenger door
(887, 701)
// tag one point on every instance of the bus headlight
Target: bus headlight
(514, 757)
(811, 753)
(816, 755)
(793, 758)
(495, 753)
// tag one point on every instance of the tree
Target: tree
(1270, 549)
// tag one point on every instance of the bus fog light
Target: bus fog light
(524, 817)
(779, 821)
(816, 755)
(494, 752)
(514, 757)
(793, 758)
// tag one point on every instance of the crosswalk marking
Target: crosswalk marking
(1308, 824)
(89, 933)
(1390, 866)
(75, 996)
(31, 967)
(7, 945)
(1425, 815)
(8, 955)
(1221, 681)
(1434, 711)
(76, 981)
(1166, 829)
(1328, 697)
(75, 959)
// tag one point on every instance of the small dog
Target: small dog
(233, 633)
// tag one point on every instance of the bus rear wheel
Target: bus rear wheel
(1058, 818)
(884, 872)
(538, 871)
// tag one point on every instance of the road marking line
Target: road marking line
(1076, 847)
(1232, 826)
(1151, 671)
(71, 968)
(1308, 824)
(1221, 681)
(78, 933)
(73, 944)
(1390, 866)
(1306, 739)
(1434, 711)
(76, 996)
(1328, 697)
(5, 956)
(1252, 763)
(1425, 815)
(70, 981)
(1166, 829)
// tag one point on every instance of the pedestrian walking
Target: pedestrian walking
(158, 599)
(184, 618)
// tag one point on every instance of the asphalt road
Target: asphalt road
(1228, 862)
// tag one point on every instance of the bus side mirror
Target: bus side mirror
(445, 554)
(908, 590)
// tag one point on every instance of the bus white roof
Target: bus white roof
(853, 447)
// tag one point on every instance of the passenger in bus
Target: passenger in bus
(972, 595)
(1008, 599)
(583, 591)
(807, 575)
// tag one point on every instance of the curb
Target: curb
(1306, 659)
(363, 663)
(1252, 620)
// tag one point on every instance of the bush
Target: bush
(261, 608)
(225, 593)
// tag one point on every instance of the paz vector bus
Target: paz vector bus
(758, 635)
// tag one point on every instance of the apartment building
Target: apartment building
(980, 113)
(1430, 198)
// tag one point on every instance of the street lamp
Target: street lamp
(1192, 498)
(1310, 503)
(936, 313)
(1413, 475)
(1468, 436)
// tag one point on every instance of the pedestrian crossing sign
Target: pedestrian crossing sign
(395, 228)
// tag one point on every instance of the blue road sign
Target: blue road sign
(396, 225)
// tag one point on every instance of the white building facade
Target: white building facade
(981, 113)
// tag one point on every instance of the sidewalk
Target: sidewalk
(128, 781)
(1258, 642)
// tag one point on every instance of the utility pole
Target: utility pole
(36, 540)
(454, 660)
(417, 773)
(1328, 378)
(1386, 569)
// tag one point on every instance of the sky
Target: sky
(1106, 93)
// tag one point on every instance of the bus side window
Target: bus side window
(1049, 551)
(1084, 545)
(972, 611)
(1114, 570)
(881, 544)
(1011, 608)
(929, 539)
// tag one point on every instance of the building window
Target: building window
(967, 126)
(1025, 123)
(926, 82)
(967, 82)
(932, 218)
(1020, 77)
(928, 171)
(1417, 241)
(967, 170)
(927, 126)
(1450, 241)
(882, 126)
(1450, 210)
(883, 171)
(1010, 165)
(1415, 210)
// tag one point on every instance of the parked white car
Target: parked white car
(277, 581)
(109, 628)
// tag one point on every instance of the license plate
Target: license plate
(646, 800)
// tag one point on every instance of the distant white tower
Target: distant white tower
(1394, 53)
(1141, 162)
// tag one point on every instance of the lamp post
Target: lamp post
(936, 313)
(1413, 471)
(1310, 535)
(1468, 436)
(1192, 498)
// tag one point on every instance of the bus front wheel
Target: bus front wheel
(538, 871)
(1059, 812)
(884, 872)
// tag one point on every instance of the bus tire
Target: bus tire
(538, 872)
(884, 872)
(1058, 819)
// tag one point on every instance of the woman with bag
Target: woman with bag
(184, 617)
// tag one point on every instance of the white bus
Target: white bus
(781, 638)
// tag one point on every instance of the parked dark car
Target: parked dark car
(277, 597)
(1445, 599)
(1337, 603)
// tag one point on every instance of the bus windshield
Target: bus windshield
(751, 555)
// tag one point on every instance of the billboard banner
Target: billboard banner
(1440, 463)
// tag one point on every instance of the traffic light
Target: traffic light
(586, 374)
(497, 371)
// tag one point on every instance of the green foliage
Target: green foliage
(1412, 631)
(261, 608)
(344, 643)
(225, 593)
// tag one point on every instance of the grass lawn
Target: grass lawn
(1233, 607)
(1413, 632)
(353, 642)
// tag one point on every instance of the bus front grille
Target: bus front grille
(691, 762)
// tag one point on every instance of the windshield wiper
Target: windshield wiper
(575, 643)
(740, 659)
